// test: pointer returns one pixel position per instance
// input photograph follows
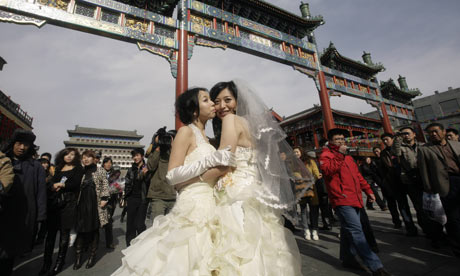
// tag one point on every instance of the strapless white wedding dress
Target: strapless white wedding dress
(180, 243)
(251, 239)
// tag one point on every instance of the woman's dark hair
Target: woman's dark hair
(303, 155)
(188, 106)
(215, 91)
(107, 159)
(89, 153)
(44, 160)
(47, 154)
(59, 160)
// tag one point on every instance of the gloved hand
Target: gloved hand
(223, 157)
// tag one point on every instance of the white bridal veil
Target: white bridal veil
(278, 167)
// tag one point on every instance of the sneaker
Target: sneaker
(315, 235)
(307, 235)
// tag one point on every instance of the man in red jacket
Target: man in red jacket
(345, 185)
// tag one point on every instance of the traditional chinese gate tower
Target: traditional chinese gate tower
(252, 26)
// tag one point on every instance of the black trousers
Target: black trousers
(392, 205)
(108, 228)
(451, 204)
(135, 221)
(398, 197)
(53, 226)
(6, 263)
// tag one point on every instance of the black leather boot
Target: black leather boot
(63, 245)
(78, 252)
(47, 257)
(109, 236)
(93, 249)
(45, 269)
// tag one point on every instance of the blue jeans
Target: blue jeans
(352, 239)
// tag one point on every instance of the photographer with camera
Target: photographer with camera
(161, 194)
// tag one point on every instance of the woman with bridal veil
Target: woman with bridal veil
(253, 198)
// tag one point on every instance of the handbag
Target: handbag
(433, 206)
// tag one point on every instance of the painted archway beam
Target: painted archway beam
(12, 9)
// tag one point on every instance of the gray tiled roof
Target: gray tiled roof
(104, 132)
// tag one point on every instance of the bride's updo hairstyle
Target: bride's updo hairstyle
(188, 106)
(215, 90)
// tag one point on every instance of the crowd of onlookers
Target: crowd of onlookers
(77, 194)
(405, 169)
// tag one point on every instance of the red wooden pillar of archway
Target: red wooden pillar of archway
(325, 104)
(182, 62)
(385, 120)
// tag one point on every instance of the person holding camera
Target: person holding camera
(391, 170)
(161, 194)
(63, 192)
(345, 185)
(137, 183)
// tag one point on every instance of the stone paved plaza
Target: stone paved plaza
(400, 255)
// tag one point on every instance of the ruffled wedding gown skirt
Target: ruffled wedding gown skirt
(251, 239)
(180, 243)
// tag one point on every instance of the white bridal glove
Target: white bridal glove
(223, 157)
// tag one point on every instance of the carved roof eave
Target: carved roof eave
(292, 23)
(390, 87)
(332, 53)
(309, 23)
(312, 111)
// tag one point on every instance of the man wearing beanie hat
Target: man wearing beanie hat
(25, 204)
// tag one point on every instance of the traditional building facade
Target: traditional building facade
(11, 115)
(306, 129)
(113, 143)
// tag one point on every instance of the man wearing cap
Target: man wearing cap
(136, 186)
(25, 204)
(345, 185)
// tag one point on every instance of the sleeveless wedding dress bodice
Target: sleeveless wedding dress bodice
(252, 239)
(181, 242)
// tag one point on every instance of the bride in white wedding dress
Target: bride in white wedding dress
(182, 242)
(251, 239)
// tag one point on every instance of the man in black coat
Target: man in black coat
(25, 203)
(137, 183)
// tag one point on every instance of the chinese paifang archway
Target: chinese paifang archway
(251, 26)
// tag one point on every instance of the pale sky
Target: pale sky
(64, 78)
